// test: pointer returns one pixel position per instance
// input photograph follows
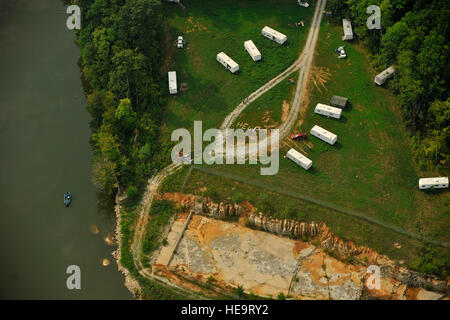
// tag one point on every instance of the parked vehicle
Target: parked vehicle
(172, 75)
(433, 183)
(180, 42)
(227, 62)
(328, 111)
(341, 52)
(299, 159)
(324, 135)
(274, 35)
(252, 50)
(299, 136)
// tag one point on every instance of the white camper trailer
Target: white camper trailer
(328, 111)
(383, 76)
(348, 32)
(173, 82)
(273, 35)
(324, 135)
(299, 159)
(439, 182)
(252, 50)
(227, 62)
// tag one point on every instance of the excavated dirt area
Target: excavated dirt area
(230, 254)
(262, 263)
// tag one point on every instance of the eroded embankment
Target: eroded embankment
(229, 254)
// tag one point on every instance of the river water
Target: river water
(45, 151)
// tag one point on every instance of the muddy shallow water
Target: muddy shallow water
(44, 138)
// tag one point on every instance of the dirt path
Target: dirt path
(141, 224)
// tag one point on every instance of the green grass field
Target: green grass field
(266, 111)
(370, 169)
(224, 26)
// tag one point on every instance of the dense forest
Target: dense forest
(121, 47)
(414, 37)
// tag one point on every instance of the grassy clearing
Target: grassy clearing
(224, 26)
(267, 110)
(370, 170)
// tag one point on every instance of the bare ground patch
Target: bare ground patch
(285, 110)
(194, 26)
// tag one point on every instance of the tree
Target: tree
(391, 42)
(125, 115)
(107, 143)
(116, 42)
(98, 101)
(105, 177)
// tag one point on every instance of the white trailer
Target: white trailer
(348, 32)
(299, 159)
(383, 76)
(328, 111)
(274, 35)
(437, 183)
(324, 135)
(252, 50)
(173, 82)
(227, 62)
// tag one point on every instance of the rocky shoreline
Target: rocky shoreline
(130, 283)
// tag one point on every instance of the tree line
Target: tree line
(414, 37)
(120, 42)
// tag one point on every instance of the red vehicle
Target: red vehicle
(298, 136)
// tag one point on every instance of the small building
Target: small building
(383, 76)
(227, 62)
(299, 159)
(338, 102)
(328, 111)
(173, 82)
(252, 50)
(274, 35)
(324, 135)
(348, 32)
(436, 183)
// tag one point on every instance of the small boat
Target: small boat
(67, 198)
